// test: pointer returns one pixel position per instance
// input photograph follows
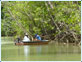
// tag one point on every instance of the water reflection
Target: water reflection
(40, 52)
(19, 51)
(42, 49)
(38, 49)
(26, 51)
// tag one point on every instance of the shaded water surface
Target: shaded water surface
(50, 52)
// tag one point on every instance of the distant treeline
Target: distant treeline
(57, 20)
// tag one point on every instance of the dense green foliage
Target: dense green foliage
(57, 20)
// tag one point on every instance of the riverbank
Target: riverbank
(7, 39)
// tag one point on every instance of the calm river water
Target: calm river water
(50, 52)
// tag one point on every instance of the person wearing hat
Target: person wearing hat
(26, 39)
(37, 37)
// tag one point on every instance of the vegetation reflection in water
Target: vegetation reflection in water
(50, 52)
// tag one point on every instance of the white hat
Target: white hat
(26, 34)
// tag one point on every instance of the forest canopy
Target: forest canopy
(57, 20)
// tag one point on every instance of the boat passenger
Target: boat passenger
(37, 37)
(34, 39)
(18, 39)
(26, 39)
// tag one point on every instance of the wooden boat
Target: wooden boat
(42, 42)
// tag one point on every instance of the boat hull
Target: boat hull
(33, 43)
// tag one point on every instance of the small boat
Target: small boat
(42, 42)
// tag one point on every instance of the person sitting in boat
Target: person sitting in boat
(26, 39)
(37, 37)
(17, 39)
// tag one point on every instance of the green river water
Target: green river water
(50, 52)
